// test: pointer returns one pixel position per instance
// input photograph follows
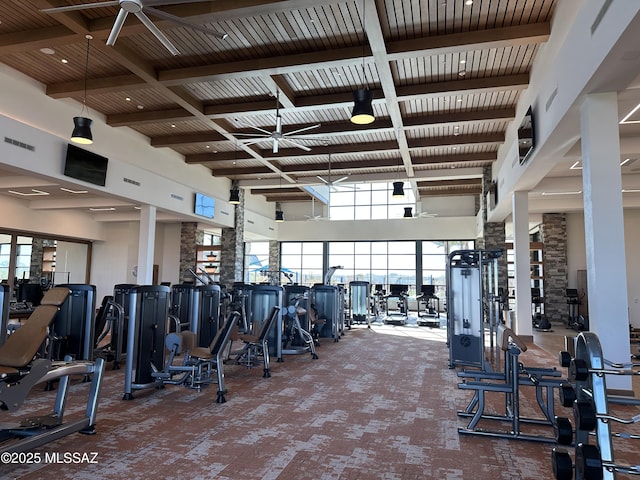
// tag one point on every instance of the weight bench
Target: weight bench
(257, 344)
(19, 373)
(509, 382)
(198, 362)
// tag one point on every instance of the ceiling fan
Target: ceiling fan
(332, 184)
(277, 135)
(138, 8)
(313, 216)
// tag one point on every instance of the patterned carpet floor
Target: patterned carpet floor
(379, 404)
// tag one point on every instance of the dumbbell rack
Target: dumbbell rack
(587, 394)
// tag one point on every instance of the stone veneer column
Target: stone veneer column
(190, 238)
(232, 248)
(274, 256)
(493, 232)
(554, 265)
(35, 268)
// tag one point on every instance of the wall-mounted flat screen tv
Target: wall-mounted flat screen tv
(204, 206)
(526, 137)
(86, 166)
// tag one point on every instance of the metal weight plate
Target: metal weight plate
(561, 464)
(567, 394)
(588, 462)
(563, 431)
(578, 370)
(584, 415)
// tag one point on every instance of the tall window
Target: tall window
(256, 261)
(368, 201)
(303, 260)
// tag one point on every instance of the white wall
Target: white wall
(576, 256)
(71, 262)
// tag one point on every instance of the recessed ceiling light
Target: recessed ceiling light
(128, 99)
(140, 107)
(207, 146)
(459, 100)
(68, 190)
(102, 209)
(48, 51)
(469, 2)
(64, 60)
(462, 73)
(33, 193)
(463, 61)
(173, 125)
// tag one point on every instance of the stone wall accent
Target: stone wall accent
(232, 248)
(35, 267)
(190, 238)
(493, 232)
(554, 265)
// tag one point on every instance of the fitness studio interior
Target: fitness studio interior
(350, 239)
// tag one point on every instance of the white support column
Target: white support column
(604, 230)
(522, 262)
(146, 244)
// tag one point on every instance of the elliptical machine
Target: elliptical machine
(574, 319)
(538, 318)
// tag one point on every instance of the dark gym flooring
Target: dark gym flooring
(379, 404)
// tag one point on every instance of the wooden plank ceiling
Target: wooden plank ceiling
(445, 76)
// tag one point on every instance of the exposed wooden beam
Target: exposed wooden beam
(217, 157)
(187, 139)
(472, 139)
(29, 40)
(238, 172)
(466, 158)
(456, 118)
(451, 191)
(467, 41)
(275, 191)
(461, 87)
(462, 182)
(288, 198)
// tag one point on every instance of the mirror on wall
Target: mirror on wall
(31, 264)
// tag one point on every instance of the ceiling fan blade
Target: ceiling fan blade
(253, 141)
(117, 26)
(86, 6)
(295, 144)
(341, 179)
(158, 3)
(267, 132)
(181, 21)
(302, 130)
(157, 33)
(322, 180)
(260, 135)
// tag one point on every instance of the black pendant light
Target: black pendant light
(279, 214)
(234, 196)
(82, 125)
(362, 113)
(398, 189)
(407, 212)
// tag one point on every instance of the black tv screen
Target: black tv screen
(86, 166)
(526, 137)
(204, 206)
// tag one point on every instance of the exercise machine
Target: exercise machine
(5, 303)
(146, 330)
(197, 309)
(359, 304)
(471, 281)
(199, 363)
(397, 304)
(73, 329)
(296, 339)
(586, 393)
(428, 307)
(256, 345)
(109, 322)
(538, 319)
(514, 376)
(20, 373)
(262, 298)
(574, 319)
(378, 302)
(325, 303)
